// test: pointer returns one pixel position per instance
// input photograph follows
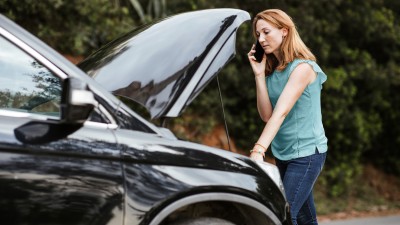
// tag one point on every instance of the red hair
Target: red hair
(292, 46)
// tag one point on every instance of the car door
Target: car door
(72, 174)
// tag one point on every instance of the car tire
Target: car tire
(203, 221)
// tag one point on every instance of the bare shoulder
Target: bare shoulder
(304, 71)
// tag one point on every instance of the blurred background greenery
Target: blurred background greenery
(357, 44)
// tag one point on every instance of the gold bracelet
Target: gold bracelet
(259, 152)
(261, 146)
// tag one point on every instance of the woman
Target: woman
(289, 83)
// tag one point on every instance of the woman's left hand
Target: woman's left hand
(257, 157)
(258, 152)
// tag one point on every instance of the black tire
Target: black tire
(203, 221)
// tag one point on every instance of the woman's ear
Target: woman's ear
(284, 32)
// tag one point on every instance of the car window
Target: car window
(98, 116)
(25, 84)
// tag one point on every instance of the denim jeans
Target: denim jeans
(299, 176)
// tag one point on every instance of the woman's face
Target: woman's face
(270, 37)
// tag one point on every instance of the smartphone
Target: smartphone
(259, 52)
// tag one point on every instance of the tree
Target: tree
(72, 27)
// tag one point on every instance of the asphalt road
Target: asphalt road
(385, 220)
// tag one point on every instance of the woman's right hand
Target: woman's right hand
(258, 67)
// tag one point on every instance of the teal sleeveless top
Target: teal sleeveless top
(302, 132)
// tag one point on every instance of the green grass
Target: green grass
(370, 192)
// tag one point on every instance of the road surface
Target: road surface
(384, 220)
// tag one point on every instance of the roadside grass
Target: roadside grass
(373, 192)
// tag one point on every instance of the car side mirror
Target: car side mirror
(77, 101)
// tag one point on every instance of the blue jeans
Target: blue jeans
(299, 176)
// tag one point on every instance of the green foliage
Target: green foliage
(154, 9)
(70, 26)
(357, 44)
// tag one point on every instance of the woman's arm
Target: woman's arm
(264, 105)
(301, 76)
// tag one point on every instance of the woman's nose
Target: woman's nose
(260, 38)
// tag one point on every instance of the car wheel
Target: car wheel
(203, 221)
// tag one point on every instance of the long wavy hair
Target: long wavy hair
(292, 46)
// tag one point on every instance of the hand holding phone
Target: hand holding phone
(259, 52)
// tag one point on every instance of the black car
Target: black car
(72, 153)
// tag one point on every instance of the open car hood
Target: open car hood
(166, 64)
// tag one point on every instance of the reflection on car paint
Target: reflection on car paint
(154, 73)
(59, 190)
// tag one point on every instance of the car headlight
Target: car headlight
(273, 172)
